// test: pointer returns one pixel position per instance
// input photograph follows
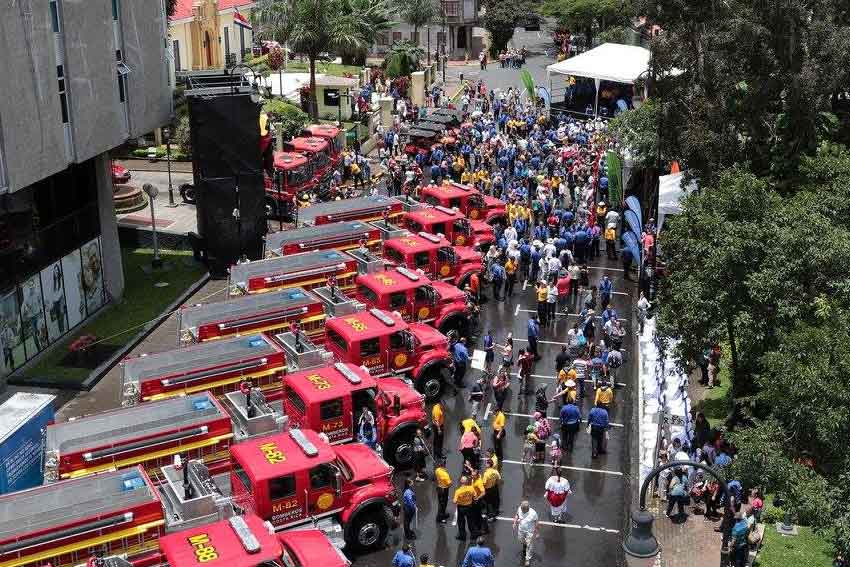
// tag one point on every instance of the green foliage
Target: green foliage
(806, 548)
(500, 19)
(416, 13)
(615, 34)
(403, 59)
(293, 118)
(637, 130)
(183, 135)
(589, 17)
(528, 84)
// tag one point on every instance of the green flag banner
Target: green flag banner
(615, 179)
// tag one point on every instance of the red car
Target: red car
(120, 174)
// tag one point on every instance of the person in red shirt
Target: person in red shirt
(563, 284)
(475, 287)
(525, 362)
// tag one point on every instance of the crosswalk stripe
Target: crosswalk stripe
(582, 469)
(568, 526)
(554, 418)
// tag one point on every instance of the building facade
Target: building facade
(80, 78)
(205, 34)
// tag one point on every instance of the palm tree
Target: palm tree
(416, 13)
(373, 17)
(273, 20)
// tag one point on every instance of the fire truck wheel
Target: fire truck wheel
(399, 449)
(369, 529)
(463, 281)
(430, 383)
(457, 323)
(271, 207)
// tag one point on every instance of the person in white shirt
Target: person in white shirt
(613, 217)
(510, 233)
(525, 526)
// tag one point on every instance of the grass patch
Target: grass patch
(122, 321)
(807, 549)
(715, 405)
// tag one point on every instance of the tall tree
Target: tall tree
(416, 13)
(588, 17)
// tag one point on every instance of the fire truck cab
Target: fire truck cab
(467, 199)
(385, 344)
(293, 175)
(458, 229)
(331, 134)
(435, 256)
(416, 297)
(246, 541)
(292, 478)
(334, 399)
(318, 152)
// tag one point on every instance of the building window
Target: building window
(176, 48)
(115, 10)
(63, 95)
(123, 72)
(54, 16)
(396, 36)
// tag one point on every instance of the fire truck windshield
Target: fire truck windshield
(322, 159)
(297, 176)
(476, 201)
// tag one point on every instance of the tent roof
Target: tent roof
(671, 194)
(608, 62)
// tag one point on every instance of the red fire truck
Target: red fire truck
(467, 199)
(246, 541)
(371, 208)
(308, 270)
(458, 229)
(272, 312)
(219, 366)
(60, 524)
(416, 297)
(335, 398)
(343, 235)
(387, 346)
(435, 256)
(149, 434)
(293, 176)
(332, 135)
(318, 152)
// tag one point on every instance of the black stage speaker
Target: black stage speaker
(226, 155)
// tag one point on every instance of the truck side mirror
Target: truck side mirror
(338, 483)
(396, 404)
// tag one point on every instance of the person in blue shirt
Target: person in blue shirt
(497, 272)
(435, 173)
(741, 543)
(535, 263)
(609, 314)
(478, 555)
(541, 233)
(599, 425)
(461, 358)
(606, 288)
(533, 329)
(403, 557)
(570, 423)
(367, 434)
(581, 240)
(722, 459)
(408, 507)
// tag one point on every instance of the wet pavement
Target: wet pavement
(592, 532)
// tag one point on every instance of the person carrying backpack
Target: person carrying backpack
(677, 492)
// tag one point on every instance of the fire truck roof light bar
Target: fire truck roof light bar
(408, 274)
(305, 444)
(246, 537)
(382, 317)
(446, 210)
(66, 533)
(214, 372)
(251, 320)
(432, 237)
(466, 188)
(315, 271)
(145, 443)
(349, 374)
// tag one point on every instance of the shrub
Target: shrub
(293, 118)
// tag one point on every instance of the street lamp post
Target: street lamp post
(167, 132)
(641, 546)
(152, 191)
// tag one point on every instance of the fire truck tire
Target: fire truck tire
(431, 381)
(398, 449)
(369, 529)
(456, 322)
(463, 281)
(187, 193)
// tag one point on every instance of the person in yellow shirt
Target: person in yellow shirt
(438, 421)
(498, 432)
(511, 267)
(464, 499)
(443, 481)
(491, 478)
(604, 396)
(466, 177)
(611, 242)
(478, 512)
(470, 424)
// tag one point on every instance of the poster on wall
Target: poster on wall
(72, 277)
(92, 275)
(55, 308)
(11, 339)
(33, 323)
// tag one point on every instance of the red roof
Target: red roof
(218, 545)
(183, 9)
(279, 455)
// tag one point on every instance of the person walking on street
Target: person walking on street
(408, 506)
(420, 455)
(469, 442)
(570, 424)
(501, 382)
(533, 329)
(511, 267)
(611, 242)
(478, 555)
(642, 309)
(464, 497)
(526, 526)
(598, 423)
(443, 480)
(438, 422)
(489, 350)
(461, 359)
(524, 362)
(498, 432)
(479, 504)
(497, 273)
(542, 294)
(492, 500)
(403, 557)
(557, 490)
(606, 288)
(677, 491)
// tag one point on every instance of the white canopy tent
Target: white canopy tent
(670, 195)
(609, 62)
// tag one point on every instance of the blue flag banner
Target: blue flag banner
(631, 242)
(632, 220)
(633, 203)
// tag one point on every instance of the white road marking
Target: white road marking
(564, 315)
(487, 411)
(516, 311)
(568, 526)
(582, 469)
(586, 380)
(454, 521)
(603, 268)
(524, 285)
(554, 418)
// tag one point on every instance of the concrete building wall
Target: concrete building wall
(110, 248)
(145, 53)
(30, 116)
(180, 33)
(97, 118)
